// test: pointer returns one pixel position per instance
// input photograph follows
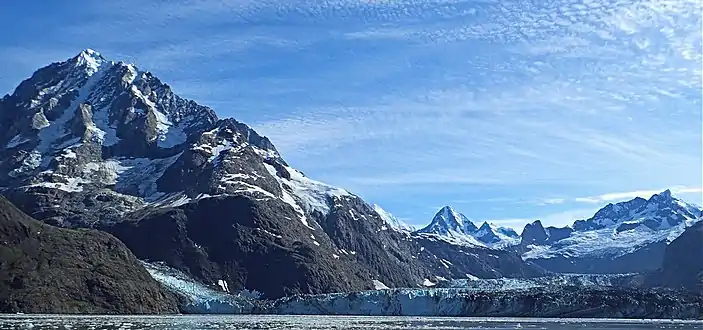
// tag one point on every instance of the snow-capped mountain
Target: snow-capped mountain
(88, 142)
(447, 222)
(625, 237)
(457, 228)
(661, 211)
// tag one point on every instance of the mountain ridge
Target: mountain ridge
(631, 235)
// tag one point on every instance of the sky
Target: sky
(508, 111)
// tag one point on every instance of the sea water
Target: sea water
(241, 322)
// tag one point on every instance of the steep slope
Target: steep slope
(625, 237)
(683, 262)
(44, 269)
(93, 143)
(392, 221)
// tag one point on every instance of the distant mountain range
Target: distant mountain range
(624, 237)
(456, 226)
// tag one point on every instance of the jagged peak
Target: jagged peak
(446, 208)
(90, 53)
(534, 225)
(89, 59)
(486, 226)
(447, 213)
(449, 220)
(662, 196)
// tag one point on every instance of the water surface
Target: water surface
(241, 322)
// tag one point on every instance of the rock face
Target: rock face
(683, 262)
(44, 269)
(93, 143)
(252, 249)
(536, 234)
(626, 237)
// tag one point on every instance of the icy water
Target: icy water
(320, 323)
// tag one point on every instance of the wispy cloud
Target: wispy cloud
(421, 102)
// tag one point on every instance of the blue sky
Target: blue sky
(507, 110)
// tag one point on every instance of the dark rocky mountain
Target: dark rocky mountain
(45, 269)
(682, 267)
(93, 143)
(626, 237)
(536, 234)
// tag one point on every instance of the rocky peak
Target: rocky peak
(89, 60)
(486, 234)
(534, 233)
(666, 194)
(448, 221)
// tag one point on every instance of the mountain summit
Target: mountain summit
(449, 222)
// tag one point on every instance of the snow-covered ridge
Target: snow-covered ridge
(622, 228)
(391, 220)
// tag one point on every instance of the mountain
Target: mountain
(536, 234)
(625, 237)
(495, 236)
(682, 267)
(661, 211)
(45, 269)
(451, 224)
(457, 228)
(93, 143)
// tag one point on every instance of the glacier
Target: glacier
(200, 298)
(572, 295)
